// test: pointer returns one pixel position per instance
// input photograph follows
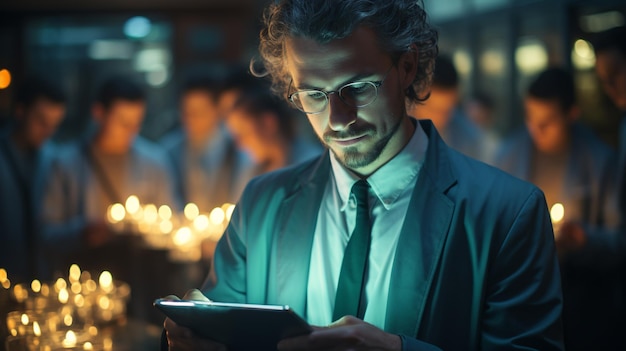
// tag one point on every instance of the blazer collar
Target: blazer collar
(422, 238)
(297, 218)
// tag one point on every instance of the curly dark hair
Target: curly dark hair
(398, 24)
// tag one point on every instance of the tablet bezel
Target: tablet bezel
(239, 326)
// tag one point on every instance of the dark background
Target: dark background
(497, 45)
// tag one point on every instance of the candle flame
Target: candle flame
(74, 273)
(76, 288)
(70, 339)
(557, 212)
(229, 211)
(36, 286)
(106, 281)
(217, 216)
(20, 293)
(91, 285)
(191, 211)
(165, 212)
(68, 320)
(132, 204)
(104, 302)
(116, 213)
(60, 284)
(93, 331)
(201, 223)
(150, 213)
(79, 300)
(25, 319)
(182, 236)
(166, 227)
(64, 295)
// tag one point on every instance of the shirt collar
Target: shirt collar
(390, 180)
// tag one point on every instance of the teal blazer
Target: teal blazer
(475, 266)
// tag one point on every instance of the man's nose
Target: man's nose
(340, 114)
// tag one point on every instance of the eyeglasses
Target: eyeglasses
(355, 94)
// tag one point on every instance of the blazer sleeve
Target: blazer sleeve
(523, 301)
(227, 280)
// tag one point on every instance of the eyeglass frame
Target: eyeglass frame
(376, 83)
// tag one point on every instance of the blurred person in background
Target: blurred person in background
(263, 127)
(106, 166)
(610, 49)
(480, 109)
(576, 169)
(205, 160)
(442, 107)
(25, 153)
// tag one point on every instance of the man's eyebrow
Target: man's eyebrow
(355, 78)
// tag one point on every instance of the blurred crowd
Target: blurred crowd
(54, 197)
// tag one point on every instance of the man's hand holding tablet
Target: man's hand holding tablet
(180, 338)
(197, 323)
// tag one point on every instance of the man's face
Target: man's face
(439, 107)
(200, 115)
(40, 120)
(121, 122)
(364, 138)
(249, 133)
(611, 70)
(548, 125)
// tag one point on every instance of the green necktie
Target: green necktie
(350, 298)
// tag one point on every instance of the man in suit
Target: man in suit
(610, 49)
(576, 169)
(392, 240)
(25, 154)
(106, 166)
(204, 159)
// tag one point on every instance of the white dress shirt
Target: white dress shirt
(391, 187)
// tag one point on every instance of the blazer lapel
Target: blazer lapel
(421, 240)
(297, 219)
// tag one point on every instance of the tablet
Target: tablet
(240, 327)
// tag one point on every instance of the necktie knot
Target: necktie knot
(360, 189)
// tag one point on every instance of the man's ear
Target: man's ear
(407, 66)
(97, 111)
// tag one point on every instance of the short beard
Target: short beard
(353, 159)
